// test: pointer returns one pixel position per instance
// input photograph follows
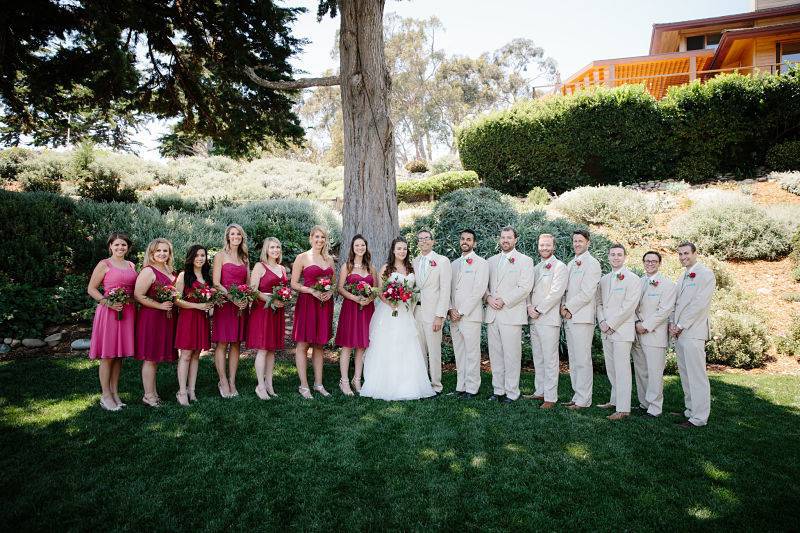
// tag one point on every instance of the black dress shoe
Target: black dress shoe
(467, 396)
(496, 397)
(506, 399)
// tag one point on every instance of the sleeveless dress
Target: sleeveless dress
(229, 325)
(313, 322)
(353, 329)
(194, 328)
(394, 367)
(265, 330)
(155, 331)
(111, 337)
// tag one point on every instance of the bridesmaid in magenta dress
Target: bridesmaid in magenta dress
(352, 332)
(156, 321)
(313, 313)
(267, 324)
(113, 326)
(231, 267)
(193, 334)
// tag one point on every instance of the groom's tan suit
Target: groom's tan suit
(470, 280)
(549, 284)
(432, 273)
(695, 290)
(510, 278)
(580, 299)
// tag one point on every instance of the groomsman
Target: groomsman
(510, 282)
(690, 326)
(470, 281)
(549, 284)
(433, 280)
(578, 309)
(617, 297)
(650, 347)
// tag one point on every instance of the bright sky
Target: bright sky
(573, 32)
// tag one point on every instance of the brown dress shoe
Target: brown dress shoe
(687, 425)
(547, 405)
(618, 416)
(608, 405)
(575, 407)
(567, 404)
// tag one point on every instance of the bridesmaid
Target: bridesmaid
(112, 339)
(231, 267)
(313, 313)
(353, 330)
(265, 330)
(156, 321)
(193, 333)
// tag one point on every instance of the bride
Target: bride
(394, 367)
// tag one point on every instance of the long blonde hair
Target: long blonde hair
(325, 253)
(151, 248)
(244, 255)
(264, 255)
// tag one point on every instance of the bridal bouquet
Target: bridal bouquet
(118, 295)
(361, 289)
(280, 293)
(202, 293)
(398, 292)
(166, 293)
(323, 284)
(241, 293)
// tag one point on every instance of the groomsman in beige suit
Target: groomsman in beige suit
(617, 297)
(578, 309)
(650, 347)
(470, 281)
(510, 282)
(549, 284)
(433, 281)
(690, 326)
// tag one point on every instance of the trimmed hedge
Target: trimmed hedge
(784, 156)
(434, 186)
(622, 135)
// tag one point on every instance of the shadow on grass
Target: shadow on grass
(356, 463)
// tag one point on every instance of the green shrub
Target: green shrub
(434, 186)
(732, 230)
(11, 161)
(789, 344)
(416, 166)
(446, 163)
(784, 156)
(738, 339)
(796, 274)
(171, 201)
(789, 181)
(722, 273)
(796, 246)
(787, 216)
(103, 184)
(621, 209)
(538, 196)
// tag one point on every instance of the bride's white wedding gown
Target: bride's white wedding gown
(394, 367)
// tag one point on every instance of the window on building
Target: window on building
(696, 42)
(712, 40)
(790, 54)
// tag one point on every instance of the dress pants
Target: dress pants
(544, 345)
(579, 346)
(617, 356)
(467, 347)
(694, 379)
(648, 366)
(431, 344)
(505, 355)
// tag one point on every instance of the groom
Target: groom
(433, 281)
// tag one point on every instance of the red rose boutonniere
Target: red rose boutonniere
(691, 275)
(654, 282)
(620, 276)
(548, 266)
(432, 263)
(469, 260)
(511, 260)
(578, 263)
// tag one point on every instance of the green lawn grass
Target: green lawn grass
(356, 464)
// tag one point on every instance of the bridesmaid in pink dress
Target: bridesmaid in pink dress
(155, 342)
(265, 330)
(313, 313)
(353, 330)
(193, 334)
(231, 267)
(112, 335)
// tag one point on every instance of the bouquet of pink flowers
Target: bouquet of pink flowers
(360, 288)
(398, 292)
(242, 293)
(323, 284)
(280, 293)
(166, 293)
(118, 295)
(203, 293)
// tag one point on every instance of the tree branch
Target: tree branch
(289, 85)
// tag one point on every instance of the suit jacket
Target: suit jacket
(434, 290)
(549, 285)
(581, 294)
(469, 285)
(693, 302)
(654, 309)
(616, 303)
(513, 285)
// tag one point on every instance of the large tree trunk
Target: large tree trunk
(370, 191)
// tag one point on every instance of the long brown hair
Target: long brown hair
(367, 263)
(390, 261)
(244, 254)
